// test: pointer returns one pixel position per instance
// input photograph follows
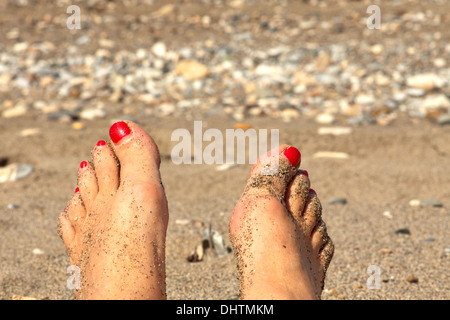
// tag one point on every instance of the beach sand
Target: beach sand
(386, 169)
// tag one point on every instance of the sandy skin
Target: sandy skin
(115, 225)
(282, 246)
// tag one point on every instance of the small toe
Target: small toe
(87, 183)
(312, 213)
(76, 211)
(106, 168)
(319, 236)
(65, 229)
(326, 254)
(297, 195)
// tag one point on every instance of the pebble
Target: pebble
(15, 171)
(403, 231)
(225, 166)
(387, 214)
(191, 70)
(412, 279)
(430, 202)
(243, 126)
(93, 113)
(77, 125)
(19, 297)
(426, 81)
(30, 132)
(16, 111)
(400, 96)
(438, 101)
(364, 99)
(335, 131)
(12, 206)
(38, 251)
(159, 49)
(338, 201)
(61, 115)
(415, 92)
(331, 155)
(443, 119)
(439, 63)
(325, 118)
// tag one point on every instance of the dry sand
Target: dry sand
(388, 166)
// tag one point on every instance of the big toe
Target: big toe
(273, 171)
(137, 153)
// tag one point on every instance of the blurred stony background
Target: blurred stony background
(280, 59)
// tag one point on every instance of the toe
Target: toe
(137, 153)
(87, 183)
(314, 226)
(319, 236)
(274, 171)
(297, 194)
(65, 229)
(312, 214)
(326, 254)
(76, 211)
(106, 168)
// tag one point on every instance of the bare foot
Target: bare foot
(115, 225)
(281, 243)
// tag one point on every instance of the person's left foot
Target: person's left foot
(115, 225)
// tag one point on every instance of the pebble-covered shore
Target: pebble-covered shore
(256, 67)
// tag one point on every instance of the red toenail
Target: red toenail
(101, 143)
(77, 190)
(293, 155)
(119, 130)
(83, 164)
(305, 173)
(312, 191)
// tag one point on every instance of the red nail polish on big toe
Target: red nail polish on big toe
(118, 131)
(293, 155)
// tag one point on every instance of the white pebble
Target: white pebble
(38, 251)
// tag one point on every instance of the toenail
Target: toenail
(118, 131)
(77, 190)
(293, 155)
(83, 164)
(312, 191)
(305, 173)
(101, 143)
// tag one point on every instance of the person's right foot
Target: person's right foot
(278, 235)
(115, 225)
